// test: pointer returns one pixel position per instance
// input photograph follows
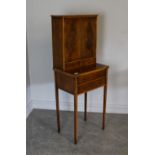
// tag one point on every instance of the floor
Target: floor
(43, 138)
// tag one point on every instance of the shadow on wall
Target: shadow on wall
(27, 69)
(100, 34)
(119, 79)
(28, 93)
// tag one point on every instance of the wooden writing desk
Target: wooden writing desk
(74, 61)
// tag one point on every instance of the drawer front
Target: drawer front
(91, 76)
(76, 65)
(72, 65)
(88, 62)
(91, 84)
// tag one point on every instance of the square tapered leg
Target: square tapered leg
(85, 106)
(57, 107)
(104, 106)
(75, 119)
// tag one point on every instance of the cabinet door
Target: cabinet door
(71, 39)
(88, 37)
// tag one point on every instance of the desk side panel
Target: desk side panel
(57, 42)
(65, 82)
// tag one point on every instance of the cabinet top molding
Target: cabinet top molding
(68, 16)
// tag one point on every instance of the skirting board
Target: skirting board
(68, 106)
(29, 108)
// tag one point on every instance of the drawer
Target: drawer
(90, 85)
(92, 75)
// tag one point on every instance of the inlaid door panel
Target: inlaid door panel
(88, 37)
(71, 39)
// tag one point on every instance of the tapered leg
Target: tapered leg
(104, 106)
(85, 106)
(75, 119)
(57, 108)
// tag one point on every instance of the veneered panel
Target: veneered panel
(65, 82)
(71, 39)
(88, 37)
(57, 42)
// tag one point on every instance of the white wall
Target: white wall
(112, 50)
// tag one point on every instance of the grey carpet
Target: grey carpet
(43, 139)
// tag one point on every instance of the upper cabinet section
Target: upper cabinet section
(74, 41)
